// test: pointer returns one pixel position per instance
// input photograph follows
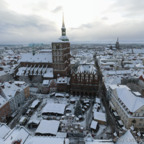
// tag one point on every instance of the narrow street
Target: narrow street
(14, 122)
(101, 93)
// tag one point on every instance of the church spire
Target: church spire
(63, 24)
(117, 44)
(117, 39)
(63, 31)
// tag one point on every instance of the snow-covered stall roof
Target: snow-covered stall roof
(93, 125)
(4, 130)
(127, 138)
(131, 101)
(23, 118)
(35, 121)
(37, 58)
(44, 140)
(35, 103)
(48, 127)
(60, 95)
(54, 108)
(99, 116)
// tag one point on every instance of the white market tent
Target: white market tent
(48, 127)
(55, 108)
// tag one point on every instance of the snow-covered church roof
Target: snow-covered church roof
(37, 58)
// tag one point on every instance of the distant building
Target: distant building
(117, 45)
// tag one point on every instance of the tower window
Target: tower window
(57, 46)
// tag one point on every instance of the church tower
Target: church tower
(61, 54)
(117, 44)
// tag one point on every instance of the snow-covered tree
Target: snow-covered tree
(78, 109)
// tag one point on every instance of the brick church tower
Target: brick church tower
(61, 54)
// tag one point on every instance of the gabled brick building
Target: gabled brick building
(84, 81)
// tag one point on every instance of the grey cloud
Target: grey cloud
(40, 6)
(126, 31)
(57, 9)
(104, 18)
(128, 8)
(20, 28)
(15, 27)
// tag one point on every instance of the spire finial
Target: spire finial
(63, 24)
(63, 31)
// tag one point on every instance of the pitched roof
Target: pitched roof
(132, 102)
(48, 127)
(127, 138)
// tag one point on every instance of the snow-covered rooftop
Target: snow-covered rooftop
(9, 89)
(86, 68)
(54, 108)
(18, 133)
(93, 124)
(118, 86)
(37, 58)
(35, 103)
(4, 130)
(48, 127)
(99, 116)
(44, 140)
(132, 102)
(62, 80)
(49, 73)
(99, 142)
(127, 138)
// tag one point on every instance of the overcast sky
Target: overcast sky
(28, 21)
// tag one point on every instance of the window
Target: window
(57, 46)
